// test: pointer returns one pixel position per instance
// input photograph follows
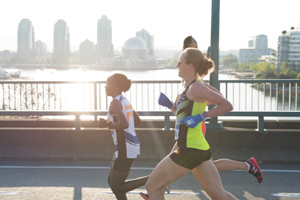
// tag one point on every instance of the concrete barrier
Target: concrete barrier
(272, 146)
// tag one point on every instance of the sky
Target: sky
(169, 21)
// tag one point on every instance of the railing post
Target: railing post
(167, 123)
(260, 123)
(77, 122)
(95, 100)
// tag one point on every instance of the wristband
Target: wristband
(205, 117)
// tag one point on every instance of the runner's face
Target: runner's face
(182, 65)
(110, 87)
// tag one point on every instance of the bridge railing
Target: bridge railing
(259, 98)
(245, 95)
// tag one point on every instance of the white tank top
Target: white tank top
(128, 142)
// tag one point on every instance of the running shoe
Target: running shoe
(168, 189)
(145, 196)
(254, 169)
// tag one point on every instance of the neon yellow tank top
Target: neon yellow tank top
(189, 137)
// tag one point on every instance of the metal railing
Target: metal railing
(245, 95)
(259, 98)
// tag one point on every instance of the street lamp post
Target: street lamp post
(214, 42)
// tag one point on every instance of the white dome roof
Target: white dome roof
(134, 48)
(134, 43)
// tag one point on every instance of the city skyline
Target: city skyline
(167, 21)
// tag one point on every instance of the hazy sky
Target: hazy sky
(170, 21)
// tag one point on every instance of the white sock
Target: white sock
(248, 166)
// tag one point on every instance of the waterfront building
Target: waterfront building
(86, 47)
(61, 43)
(257, 47)
(148, 39)
(258, 42)
(26, 40)
(134, 57)
(86, 52)
(6, 56)
(289, 49)
(104, 38)
(40, 49)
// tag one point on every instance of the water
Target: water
(96, 75)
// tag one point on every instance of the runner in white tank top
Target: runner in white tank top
(122, 120)
(129, 143)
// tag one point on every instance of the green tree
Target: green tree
(228, 60)
(283, 66)
(298, 76)
(290, 73)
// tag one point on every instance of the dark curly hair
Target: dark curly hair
(121, 81)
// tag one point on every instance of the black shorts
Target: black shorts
(190, 158)
(121, 164)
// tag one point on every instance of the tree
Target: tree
(298, 76)
(283, 32)
(290, 73)
(228, 60)
(283, 66)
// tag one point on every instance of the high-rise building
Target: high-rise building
(26, 41)
(289, 49)
(257, 47)
(104, 38)
(86, 47)
(148, 39)
(259, 42)
(87, 52)
(61, 43)
(40, 49)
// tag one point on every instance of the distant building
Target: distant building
(259, 42)
(6, 56)
(289, 49)
(86, 47)
(149, 40)
(253, 55)
(61, 43)
(87, 52)
(134, 56)
(104, 38)
(26, 40)
(257, 47)
(40, 49)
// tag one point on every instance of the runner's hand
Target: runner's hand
(192, 121)
(163, 100)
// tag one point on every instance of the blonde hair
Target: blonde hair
(202, 64)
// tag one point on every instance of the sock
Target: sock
(248, 166)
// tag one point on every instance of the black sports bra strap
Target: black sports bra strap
(190, 85)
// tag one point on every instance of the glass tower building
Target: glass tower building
(26, 40)
(61, 43)
(104, 38)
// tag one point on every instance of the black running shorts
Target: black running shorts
(190, 158)
(121, 164)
